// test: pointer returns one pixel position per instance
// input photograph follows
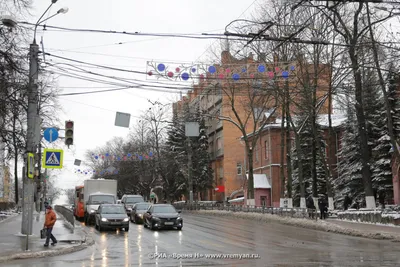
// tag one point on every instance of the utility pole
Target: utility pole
(39, 178)
(190, 181)
(28, 184)
(44, 186)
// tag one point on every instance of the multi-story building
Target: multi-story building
(212, 97)
(267, 157)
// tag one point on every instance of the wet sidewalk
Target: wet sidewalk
(13, 242)
(367, 227)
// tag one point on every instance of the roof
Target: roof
(260, 181)
(239, 199)
(337, 120)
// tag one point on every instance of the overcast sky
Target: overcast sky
(94, 114)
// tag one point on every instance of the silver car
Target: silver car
(111, 216)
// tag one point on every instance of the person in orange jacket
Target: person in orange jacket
(48, 224)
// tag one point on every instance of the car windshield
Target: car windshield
(132, 200)
(102, 199)
(164, 209)
(142, 206)
(112, 210)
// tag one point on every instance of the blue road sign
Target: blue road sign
(52, 158)
(50, 134)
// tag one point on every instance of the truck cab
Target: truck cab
(93, 203)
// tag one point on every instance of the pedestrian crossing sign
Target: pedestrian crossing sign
(52, 158)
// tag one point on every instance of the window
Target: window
(164, 209)
(239, 168)
(132, 200)
(266, 149)
(257, 154)
(221, 172)
(219, 143)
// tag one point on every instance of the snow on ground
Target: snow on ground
(320, 225)
(4, 214)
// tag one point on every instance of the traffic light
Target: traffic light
(69, 133)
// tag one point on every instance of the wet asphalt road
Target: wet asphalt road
(277, 245)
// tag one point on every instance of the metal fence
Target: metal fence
(67, 213)
(284, 212)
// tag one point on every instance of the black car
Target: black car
(160, 216)
(111, 216)
(138, 210)
(129, 200)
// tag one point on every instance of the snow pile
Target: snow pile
(371, 216)
(304, 223)
(5, 214)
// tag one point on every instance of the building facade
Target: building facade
(212, 96)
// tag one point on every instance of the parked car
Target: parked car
(111, 216)
(160, 216)
(129, 200)
(138, 210)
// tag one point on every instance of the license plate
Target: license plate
(115, 223)
(169, 223)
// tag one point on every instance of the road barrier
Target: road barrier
(284, 212)
(67, 213)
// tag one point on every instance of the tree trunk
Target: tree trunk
(282, 165)
(15, 158)
(250, 184)
(288, 148)
(361, 125)
(383, 89)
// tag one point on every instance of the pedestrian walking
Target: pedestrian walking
(321, 207)
(49, 222)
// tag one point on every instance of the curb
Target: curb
(9, 218)
(89, 241)
(304, 223)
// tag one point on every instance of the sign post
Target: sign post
(50, 134)
(191, 130)
(52, 158)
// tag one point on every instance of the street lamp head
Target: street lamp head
(54, 1)
(8, 21)
(63, 10)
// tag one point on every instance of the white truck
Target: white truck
(96, 192)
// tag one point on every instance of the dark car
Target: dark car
(138, 210)
(111, 216)
(129, 200)
(160, 216)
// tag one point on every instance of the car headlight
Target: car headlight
(140, 215)
(179, 218)
(92, 211)
(156, 218)
(130, 209)
(126, 219)
(104, 219)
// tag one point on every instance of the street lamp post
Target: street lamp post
(32, 117)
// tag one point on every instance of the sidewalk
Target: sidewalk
(13, 243)
(377, 229)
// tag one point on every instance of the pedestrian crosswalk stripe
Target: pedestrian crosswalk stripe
(53, 160)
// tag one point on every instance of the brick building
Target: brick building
(267, 157)
(211, 95)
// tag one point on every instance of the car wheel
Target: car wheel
(151, 227)
(127, 229)
(179, 228)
